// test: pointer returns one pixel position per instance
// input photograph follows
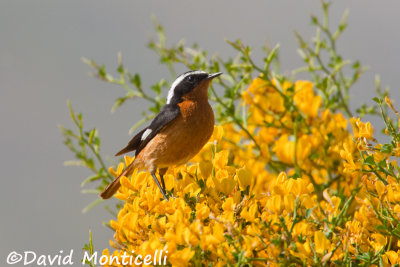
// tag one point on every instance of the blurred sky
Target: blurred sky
(40, 68)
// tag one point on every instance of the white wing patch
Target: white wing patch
(145, 134)
(178, 81)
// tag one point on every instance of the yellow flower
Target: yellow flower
(304, 250)
(390, 104)
(362, 129)
(217, 134)
(258, 85)
(274, 204)
(303, 148)
(221, 159)
(250, 213)
(192, 188)
(202, 211)
(305, 99)
(289, 201)
(223, 182)
(378, 242)
(229, 204)
(301, 228)
(397, 150)
(268, 135)
(284, 149)
(205, 169)
(322, 243)
(349, 164)
(265, 152)
(392, 256)
(245, 177)
(273, 102)
(380, 188)
(181, 257)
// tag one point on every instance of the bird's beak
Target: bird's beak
(213, 75)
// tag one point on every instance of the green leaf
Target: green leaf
(314, 20)
(74, 163)
(90, 191)
(376, 100)
(102, 71)
(366, 257)
(308, 213)
(92, 204)
(90, 249)
(381, 227)
(387, 148)
(118, 103)
(91, 179)
(120, 69)
(92, 135)
(314, 156)
(382, 164)
(135, 80)
(369, 160)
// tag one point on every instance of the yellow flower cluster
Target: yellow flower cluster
(292, 187)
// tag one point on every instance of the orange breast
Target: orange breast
(182, 139)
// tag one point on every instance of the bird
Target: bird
(178, 132)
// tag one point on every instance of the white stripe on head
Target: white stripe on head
(179, 80)
(145, 134)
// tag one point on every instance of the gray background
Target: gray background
(40, 49)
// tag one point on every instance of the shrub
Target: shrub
(289, 177)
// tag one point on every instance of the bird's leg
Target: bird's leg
(162, 172)
(159, 186)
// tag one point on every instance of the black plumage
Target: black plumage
(167, 114)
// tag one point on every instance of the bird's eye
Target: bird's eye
(190, 78)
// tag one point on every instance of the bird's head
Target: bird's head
(190, 85)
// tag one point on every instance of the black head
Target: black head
(185, 83)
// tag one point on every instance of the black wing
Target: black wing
(167, 114)
(133, 144)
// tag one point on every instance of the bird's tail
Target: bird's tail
(112, 188)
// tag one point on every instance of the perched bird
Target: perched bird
(176, 134)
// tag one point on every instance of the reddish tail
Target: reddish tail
(113, 187)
